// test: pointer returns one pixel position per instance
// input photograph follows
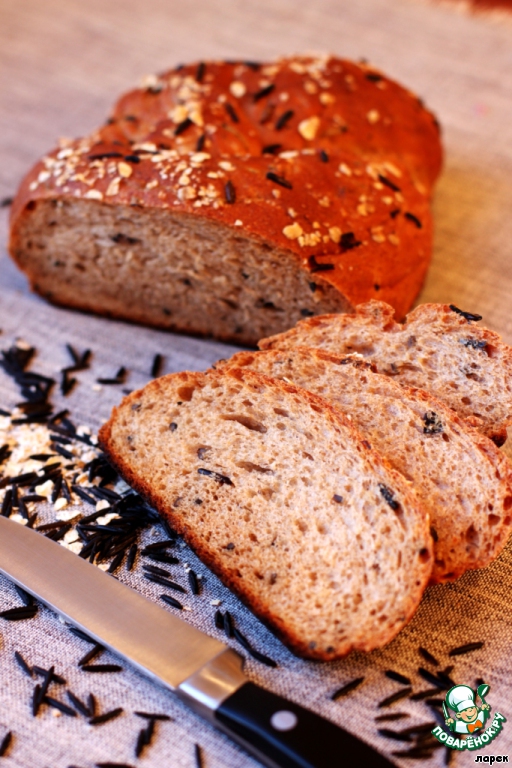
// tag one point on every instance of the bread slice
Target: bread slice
(437, 348)
(284, 500)
(222, 207)
(459, 475)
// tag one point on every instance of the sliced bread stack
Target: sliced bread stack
(459, 475)
(437, 348)
(316, 487)
(278, 493)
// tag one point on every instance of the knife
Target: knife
(203, 672)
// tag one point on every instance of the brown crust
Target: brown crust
(193, 538)
(368, 126)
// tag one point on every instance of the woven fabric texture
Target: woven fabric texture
(63, 63)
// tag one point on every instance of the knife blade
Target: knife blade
(203, 672)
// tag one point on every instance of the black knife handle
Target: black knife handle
(282, 734)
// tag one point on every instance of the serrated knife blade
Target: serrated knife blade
(202, 671)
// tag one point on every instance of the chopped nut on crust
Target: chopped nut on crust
(293, 231)
(308, 128)
(124, 170)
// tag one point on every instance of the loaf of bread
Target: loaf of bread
(459, 476)
(231, 199)
(283, 499)
(438, 348)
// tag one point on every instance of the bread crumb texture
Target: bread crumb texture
(176, 212)
(438, 348)
(459, 475)
(284, 500)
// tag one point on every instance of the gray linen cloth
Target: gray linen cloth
(463, 66)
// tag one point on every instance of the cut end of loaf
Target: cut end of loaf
(280, 496)
(166, 269)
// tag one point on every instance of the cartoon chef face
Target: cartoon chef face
(469, 715)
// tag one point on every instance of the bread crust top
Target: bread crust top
(327, 159)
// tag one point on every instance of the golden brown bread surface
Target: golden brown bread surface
(284, 500)
(459, 476)
(438, 348)
(323, 168)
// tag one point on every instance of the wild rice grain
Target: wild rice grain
(428, 656)
(149, 731)
(285, 117)
(198, 753)
(228, 624)
(158, 545)
(163, 582)
(79, 633)
(388, 183)
(219, 619)
(279, 180)
(91, 704)
(347, 688)
(140, 743)
(102, 668)
(5, 743)
(391, 716)
(24, 596)
(414, 753)
(57, 679)
(132, 554)
(433, 679)
(182, 127)
(230, 192)
(418, 730)
(396, 735)
(156, 365)
(116, 562)
(271, 149)
(394, 697)
(78, 704)
(60, 706)
(20, 614)
(23, 664)
(231, 112)
(113, 765)
(6, 504)
(201, 69)
(413, 218)
(194, 583)
(171, 601)
(91, 654)
(156, 571)
(152, 716)
(222, 479)
(468, 648)
(106, 717)
(36, 696)
(398, 677)
(266, 91)
(161, 557)
(423, 694)
(469, 316)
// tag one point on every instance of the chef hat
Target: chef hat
(460, 698)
